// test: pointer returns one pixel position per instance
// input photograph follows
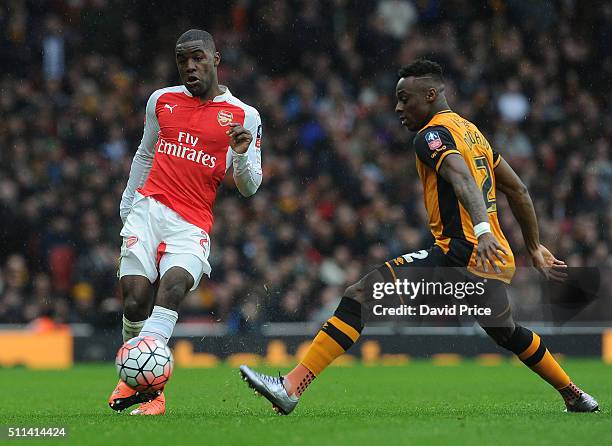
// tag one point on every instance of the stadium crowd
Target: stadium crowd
(340, 191)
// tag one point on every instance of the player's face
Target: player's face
(412, 105)
(197, 66)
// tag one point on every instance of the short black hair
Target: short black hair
(198, 34)
(422, 67)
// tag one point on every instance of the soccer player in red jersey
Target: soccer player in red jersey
(193, 133)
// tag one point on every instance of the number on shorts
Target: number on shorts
(409, 258)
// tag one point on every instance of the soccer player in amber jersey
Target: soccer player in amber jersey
(193, 134)
(461, 175)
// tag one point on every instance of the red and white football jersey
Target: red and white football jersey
(186, 140)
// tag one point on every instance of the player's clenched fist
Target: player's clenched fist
(240, 138)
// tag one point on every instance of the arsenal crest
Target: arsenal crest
(224, 118)
(131, 241)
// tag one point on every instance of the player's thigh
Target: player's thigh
(421, 264)
(186, 246)
(140, 242)
(174, 267)
(412, 266)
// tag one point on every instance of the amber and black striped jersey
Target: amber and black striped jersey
(448, 133)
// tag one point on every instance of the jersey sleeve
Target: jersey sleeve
(496, 158)
(434, 144)
(143, 159)
(247, 166)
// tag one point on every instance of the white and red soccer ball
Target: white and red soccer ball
(144, 363)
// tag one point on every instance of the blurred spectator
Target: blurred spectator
(397, 16)
(513, 105)
(53, 50)
(514, 144)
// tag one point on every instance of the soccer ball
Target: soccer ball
(144, 363)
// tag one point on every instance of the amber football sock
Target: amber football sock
(336, 336)
(530, 349)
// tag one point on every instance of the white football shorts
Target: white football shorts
(155, 238)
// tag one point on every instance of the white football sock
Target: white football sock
(160, 324)
(131, 329)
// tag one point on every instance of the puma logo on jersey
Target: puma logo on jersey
(170, 107)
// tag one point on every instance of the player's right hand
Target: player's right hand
(548, 265)
(488, 251)
(240, 138)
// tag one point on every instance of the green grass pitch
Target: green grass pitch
(417, 403)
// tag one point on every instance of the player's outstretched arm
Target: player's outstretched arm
(509, 183)
(455, 171)
(143, 159)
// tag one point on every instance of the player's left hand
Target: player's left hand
(488, 252)
(240, 138)
(548, 265)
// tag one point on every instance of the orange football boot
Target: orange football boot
(156, 406)
(124, 396)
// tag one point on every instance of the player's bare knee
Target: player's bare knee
(137, 298)
(136, 303)
(173, 287)
(171, 295)
(134, 310)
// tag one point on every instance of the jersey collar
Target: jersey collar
(448, 110)
(223, 97)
